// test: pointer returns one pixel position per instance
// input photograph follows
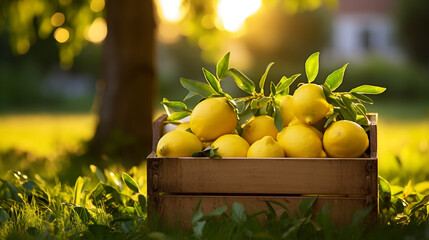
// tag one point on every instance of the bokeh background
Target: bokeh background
(52, 56)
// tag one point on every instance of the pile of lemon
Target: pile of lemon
(213, 122)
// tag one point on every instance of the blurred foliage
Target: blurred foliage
(403, 81)
(412, 16)
(26, 81)
(29, 20)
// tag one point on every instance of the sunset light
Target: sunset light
(233, 13)
(171, 10)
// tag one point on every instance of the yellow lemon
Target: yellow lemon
(265, 147)
(183, 126)
(309, 104)
(212, 118)
(178, 143)
(296, 122)
(259, 127)
(231, 145)
(300, 141)
(286, 109)
(345, 139)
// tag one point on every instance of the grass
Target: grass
(102, 204)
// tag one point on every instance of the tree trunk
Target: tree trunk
(127, 90)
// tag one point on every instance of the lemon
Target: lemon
(212, 118)
(309, 104)
(344, 139)
(265, 147)
(286, 109)
(178, 143)
(231, 145)
(300, 141)
(259, 127)
(183, 126)
(295, 122)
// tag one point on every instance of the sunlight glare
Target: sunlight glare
(171, 10)
(97, 32)
(233, 13)
(61, 35)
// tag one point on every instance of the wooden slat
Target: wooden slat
(178, 209)
(157, 127)
(264, 176)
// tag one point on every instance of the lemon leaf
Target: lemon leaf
(362, 97)
(212, 81)
(222, 67)
(264, 77)
(368, 89)
(285, 82)
(175, 106)
(197, 87)
(312, 66)
(278, 120)
(242, 81)
(178, 115)
(273, 89)
(334, 80)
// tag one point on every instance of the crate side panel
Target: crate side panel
(264, 176)
(178, 209)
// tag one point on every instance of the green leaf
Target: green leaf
(271, 214)
(142, 202)
(222, 67)
(305, 206)
(385, 193)
(219, 211)
(360, 215)
(83, 214)
(361, 97)
(197, 206)
(213, 82)
(334, 80)
(129, 181)
(285, 82)
(238, 214)
(273, 89)
(368, 89)
(242, 81)
(197, 87)
(196, 217)
(278, 119)
(348, 112)
(176, 106)
(178, 115)
(198, 229)
(264, 77)
(189, 95)
(98, 173)
(79, 187)
(330, 120)
(3, 216)
(312, 67)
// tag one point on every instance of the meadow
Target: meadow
(39, 199)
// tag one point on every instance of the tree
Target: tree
(412, 18)
(126, 101)
(125, 113)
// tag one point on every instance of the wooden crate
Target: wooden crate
(346, 184)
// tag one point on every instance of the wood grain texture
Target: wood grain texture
(176, 184)
(178, 209)
(264, 176)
